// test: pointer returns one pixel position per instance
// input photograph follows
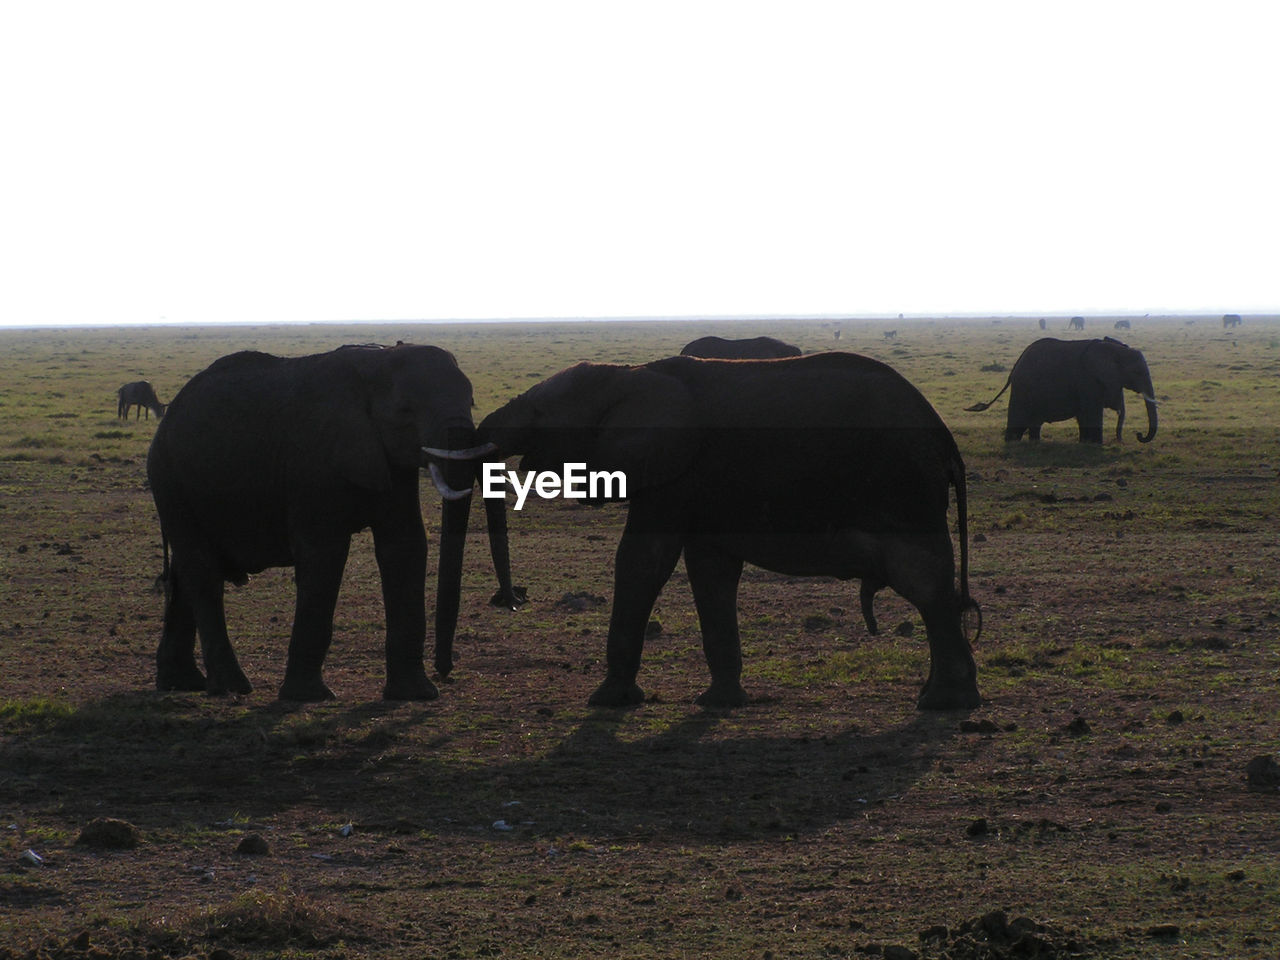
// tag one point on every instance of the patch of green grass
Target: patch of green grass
(16, 715)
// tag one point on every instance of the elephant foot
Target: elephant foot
(616, 693)
(311, 690)
(957, 696)
(410, 688)
(185, 677)
(224, 682)
(722, 696)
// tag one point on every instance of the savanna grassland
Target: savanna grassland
(1097, 804)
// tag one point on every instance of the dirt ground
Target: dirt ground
(1100, 803)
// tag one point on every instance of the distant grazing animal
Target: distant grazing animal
(751, 348)
(1043, 325)
(891, 334)
(1123, 325)
(138, 394)
(1231, 320)
(1064, 379)
(1075, 323)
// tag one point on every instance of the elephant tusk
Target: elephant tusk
(472, 453)
(1151, 400)
(446, 491)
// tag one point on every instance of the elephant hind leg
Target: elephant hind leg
(198, 586)
(176, 655)
(921, 569)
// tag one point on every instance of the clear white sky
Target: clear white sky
(272, 161)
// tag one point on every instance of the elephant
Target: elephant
(752, 348)
(1231, 320)
(827, 464)
(1064, 379)
(1075, 323)
(1124, 325)
(265, 461)
(141, 395)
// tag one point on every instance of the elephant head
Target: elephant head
(636, 420)
(1118, 367)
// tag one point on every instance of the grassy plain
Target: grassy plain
(1130, 666)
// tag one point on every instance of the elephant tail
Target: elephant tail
(968, 605)
(164, 582)
(979, 407)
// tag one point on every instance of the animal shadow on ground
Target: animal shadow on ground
(160, 761)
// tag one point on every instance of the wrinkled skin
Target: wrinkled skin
(141, 395)
(830, 464)
(750, 348)
(1074, 379)
(264, 462)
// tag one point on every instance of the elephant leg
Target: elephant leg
(1014, 428)
(401, 551)
(713, 577)
(176, 656)
(647, 554)
(867, 596)
(922, 570)
(1033, 432)
(1090, 427)
(318, 571)
(201, 581)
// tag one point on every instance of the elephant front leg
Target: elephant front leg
(318, 572)
(401, 551)
(714, 577)
(643, 565)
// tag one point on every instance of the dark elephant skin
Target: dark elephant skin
(829, 464)
(265, 461)
(141, 395)
(1074, 379)
(751, 348)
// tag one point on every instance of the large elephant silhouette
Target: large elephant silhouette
(1074, 379)
(265, 461)
(829, 464)
(749, 348)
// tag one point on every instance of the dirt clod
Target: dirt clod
(1263, 774)
(253, 845)
(108, 833)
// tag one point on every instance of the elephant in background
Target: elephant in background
(1065, 379)
(141, 395)
(1231, 320)
(265, 461)
(830, 464)
(1075, 323)
(751, 348)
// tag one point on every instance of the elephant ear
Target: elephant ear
(353, 442)
(649, 432)
(1103, 364)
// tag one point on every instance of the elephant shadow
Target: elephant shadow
(147, 758)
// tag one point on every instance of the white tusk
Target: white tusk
(473, 453)
(1151, 400)
(446, 491)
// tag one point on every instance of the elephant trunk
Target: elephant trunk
(453, 536)
(454, 518)
(1152, 418)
